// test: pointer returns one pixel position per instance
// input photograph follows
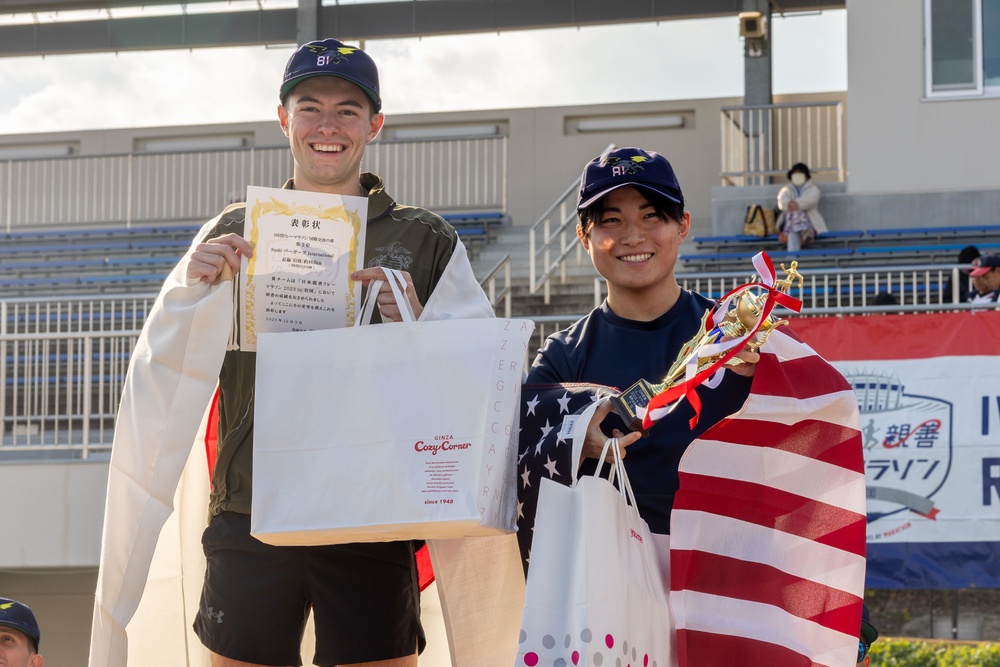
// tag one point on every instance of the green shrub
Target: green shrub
(902, 653)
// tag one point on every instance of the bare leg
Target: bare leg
(408, 661)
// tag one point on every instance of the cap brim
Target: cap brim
(980, 271)
(287, 86)
(21, 630)
(868, 632)
(641, 186)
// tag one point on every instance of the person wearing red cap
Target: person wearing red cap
(985, 278)
(19, 635)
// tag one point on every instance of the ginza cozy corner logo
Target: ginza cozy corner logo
(442, 443)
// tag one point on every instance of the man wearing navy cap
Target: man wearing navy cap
(866, 637)
(364, 598)
(632, 223)
(19, 635)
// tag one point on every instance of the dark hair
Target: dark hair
(665, 208)
(885, 299)
(799, 166)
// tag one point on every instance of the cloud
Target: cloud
(619, 63)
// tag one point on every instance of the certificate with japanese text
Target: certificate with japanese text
(305, 247)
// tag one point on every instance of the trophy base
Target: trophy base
(629, 401)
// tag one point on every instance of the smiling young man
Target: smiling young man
(632, 223)
(364, 597)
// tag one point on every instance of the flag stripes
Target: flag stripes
(767, 539)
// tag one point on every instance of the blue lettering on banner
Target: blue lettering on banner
(991, 479)
(986, 413)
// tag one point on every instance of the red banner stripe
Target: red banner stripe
(727, 577)
(830, 443)
(708, 649)
(927, 335)
(769, 507)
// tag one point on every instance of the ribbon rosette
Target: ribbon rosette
(717, 327)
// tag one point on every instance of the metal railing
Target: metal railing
(557, 229)
(64, 360)
(504, 292)
(760, 142)
(455, 174)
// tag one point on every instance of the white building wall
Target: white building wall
(900, 142)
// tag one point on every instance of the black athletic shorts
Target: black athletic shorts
(365, 598)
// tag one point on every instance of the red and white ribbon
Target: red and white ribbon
(662, 404)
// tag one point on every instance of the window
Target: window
(962, 44)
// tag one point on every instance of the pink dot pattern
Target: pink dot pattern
(533, 659)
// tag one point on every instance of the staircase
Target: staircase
(574, 297)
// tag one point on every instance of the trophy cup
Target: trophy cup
(743, 308)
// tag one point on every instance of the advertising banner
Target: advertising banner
(928, 389)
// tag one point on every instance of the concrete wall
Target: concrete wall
(899, 141)
(546, 149)
(62, 514)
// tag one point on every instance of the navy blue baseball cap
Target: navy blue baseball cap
(329, 57)
(14, 614)
(868, 630)
(628, 166)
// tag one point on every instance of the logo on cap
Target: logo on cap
(335, 58)
(620, 167)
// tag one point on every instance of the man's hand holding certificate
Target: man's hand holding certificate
(306, 248)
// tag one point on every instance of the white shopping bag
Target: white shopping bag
(594, 594)
(386, 432)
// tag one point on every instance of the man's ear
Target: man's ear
(36, 661)
(283, 118)
(685, 225)
(583, 238)
(376, 126)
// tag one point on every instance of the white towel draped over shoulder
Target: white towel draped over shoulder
(171, 379)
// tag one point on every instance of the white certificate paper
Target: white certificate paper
(305, 247)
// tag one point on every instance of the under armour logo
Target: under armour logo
(216, 615)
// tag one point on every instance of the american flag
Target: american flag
(544, 449)
(767, 546)
(768, 527)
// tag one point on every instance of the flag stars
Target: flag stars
(520, 510)
(551, 467)
(525, 478)
(563, 403)
(532, 404)
(546, 429)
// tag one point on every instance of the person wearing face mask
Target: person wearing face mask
(800, 219)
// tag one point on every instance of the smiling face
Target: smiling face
(16, 649)
(635, 247)
(328, 122)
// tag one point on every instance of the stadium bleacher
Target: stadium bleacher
(857, 248)
(136, 259)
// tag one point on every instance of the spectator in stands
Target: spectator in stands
(965, 256)
(800, 220)
(985, 277)
(19, 635)
(866, 637)
(885, 299)
(364, 597)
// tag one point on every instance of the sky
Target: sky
(533, 68)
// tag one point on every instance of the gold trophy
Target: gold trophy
(743, 312)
